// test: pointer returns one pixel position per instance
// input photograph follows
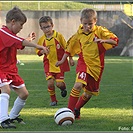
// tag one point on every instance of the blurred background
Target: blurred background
(114, 15)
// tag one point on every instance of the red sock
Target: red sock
(82, 101)
(74, 96)
(52, 94)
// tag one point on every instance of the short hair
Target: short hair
(45, 19)
(88, 13)
(16, 14)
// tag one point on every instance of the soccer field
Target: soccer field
(110, 111)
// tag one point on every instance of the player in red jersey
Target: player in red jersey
(57, 45)
(90, 42)
(9, 77)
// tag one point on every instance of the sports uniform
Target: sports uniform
(90, 63)
(9, 43)
(91, 55)
(9, 77)
(57, 45)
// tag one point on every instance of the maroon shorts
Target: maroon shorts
(91, 85)
(56, 76)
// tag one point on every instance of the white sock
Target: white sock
(4, 103)
(17, 107)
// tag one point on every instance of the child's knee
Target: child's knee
(88, 96)
(78, 86)
(60, 84)
(25, 95)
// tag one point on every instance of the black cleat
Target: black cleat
(77, 113)
(63, 93)
(7, 124)
(18, 120)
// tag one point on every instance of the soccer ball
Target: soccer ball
(64, 116)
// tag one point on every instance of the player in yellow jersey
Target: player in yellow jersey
(57, 45)
(90, 42)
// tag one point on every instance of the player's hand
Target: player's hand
(31, 36)
(43, 50)
(58, 63)
(46, 50)
(71, 62)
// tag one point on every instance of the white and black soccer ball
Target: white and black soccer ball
(64, 116)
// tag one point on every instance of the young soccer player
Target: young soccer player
(90, 42)
(57, 45)
(9, 77)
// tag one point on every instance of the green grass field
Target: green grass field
(110, 111)
(62, 5)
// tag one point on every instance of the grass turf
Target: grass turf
(110, 111)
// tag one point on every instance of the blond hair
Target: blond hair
(88, 13)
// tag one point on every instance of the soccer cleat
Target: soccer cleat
(7, 124)
(53, 103)
(77, 113)
(63, 93)
(17, 119)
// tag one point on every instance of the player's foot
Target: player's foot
(18, 120)
(7, 124)
(63, 93)
(77, 113)
(53, 103)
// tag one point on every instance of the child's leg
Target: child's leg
(73, 98)
(92, 88)
(4, 103)
(62, 86)
(51, 90)
(82, 101)
(60, 83)
(19, 102)
(4, 119)
(74, 95)
(75, 92)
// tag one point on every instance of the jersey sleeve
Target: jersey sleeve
(106, 34)
(73, 45)
(62, 41)
(7, 40)
(40, 42)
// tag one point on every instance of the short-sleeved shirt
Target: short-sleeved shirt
(9, 43)
(91, 54)
(57, 45)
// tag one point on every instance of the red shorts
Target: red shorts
(91, 85)
(56, 76)
(13, 80)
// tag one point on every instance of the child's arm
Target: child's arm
(58, 63)
(109, 41)
(30, 44)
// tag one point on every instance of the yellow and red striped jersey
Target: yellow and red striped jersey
(91, 54)
(57, 45)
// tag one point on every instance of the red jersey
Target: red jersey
(9, 43)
